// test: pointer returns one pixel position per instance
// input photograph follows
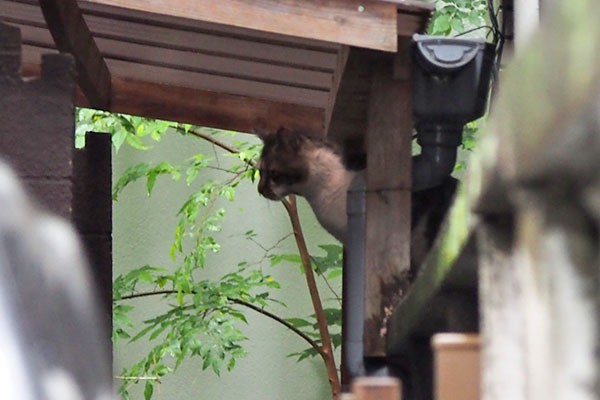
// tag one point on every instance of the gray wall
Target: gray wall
(143, 230)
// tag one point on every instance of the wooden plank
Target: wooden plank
(413, 6)
(194, 25)
(556, 265)
(202, 81)
(212, 109)
(194, 38)
(390, 132)
(213, 43)
(450, 268)
(10, 52)
(342, 59)
(410, 24)
(502, 328)
(350, 102)
(457, 364)
(194, 62)
(377, 388)
(214, 65)
(389, 171)
(259, 90)
(413, 16)
(365, 23)
(72, 35)
(199, 107)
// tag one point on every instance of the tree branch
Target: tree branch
(251, 306)
(291, 327)
(322, 275)
(217, 142)
(290, 206)
(334, 382)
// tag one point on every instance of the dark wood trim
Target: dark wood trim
(388, 207)
(72, 35)
(347, 122)
(203, 107)
(212, 109)
(362, 23)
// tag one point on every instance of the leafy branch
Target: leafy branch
(202, 321)
(246, 304)
(326, 350)
(327, 353)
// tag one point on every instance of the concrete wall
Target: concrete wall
(143, 230)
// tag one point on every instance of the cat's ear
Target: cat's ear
(292, 140)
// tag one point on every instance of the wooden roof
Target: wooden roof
(221, 63)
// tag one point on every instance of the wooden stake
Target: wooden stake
(377, 388)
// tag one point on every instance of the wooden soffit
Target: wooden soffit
(238, 65)
(370, 24)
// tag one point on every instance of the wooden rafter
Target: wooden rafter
(71, 35)
(362, 23)
(348, 106)
(203, 107)
(212, 109)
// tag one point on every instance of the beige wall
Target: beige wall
(143, 233)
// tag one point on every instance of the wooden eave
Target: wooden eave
(225, 64)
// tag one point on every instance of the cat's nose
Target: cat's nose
(265, 191)
(261, 186)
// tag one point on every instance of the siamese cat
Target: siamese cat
(313, 167)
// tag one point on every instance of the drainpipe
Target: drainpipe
(353, 306)
(451, 87)
(439, 145)
(451, 84)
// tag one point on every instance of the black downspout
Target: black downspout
(451, 85)
(439, 145)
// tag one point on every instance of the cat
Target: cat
(315, 168)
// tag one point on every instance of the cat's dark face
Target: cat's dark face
(283, 167)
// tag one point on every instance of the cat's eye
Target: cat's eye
(276, 177)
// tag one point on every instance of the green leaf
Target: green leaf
(122, 334)
(118, 138)
(142, 333)
(135, 142)
(152, 175)
(441, 24)
(231, 364)
(162, 370)
(148, 390)
(239, 316)
(298, 322)
(335, 273)
(131, 174)
(161, 281)
(457, 25)
(157, 332)
(293, 258)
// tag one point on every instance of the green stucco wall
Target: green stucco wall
(143, 233)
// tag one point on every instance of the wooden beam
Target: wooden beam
(377, 388)
(389, 173)
(342, 59)
(362, 23)
(211, 109)
(71, 35)
(445, 286)
(349, 98)
(412, 6)
(202, 107)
